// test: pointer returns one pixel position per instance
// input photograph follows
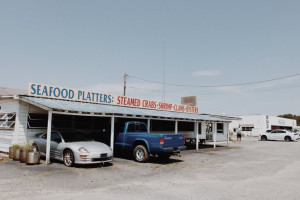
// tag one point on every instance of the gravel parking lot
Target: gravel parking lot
(250, 170)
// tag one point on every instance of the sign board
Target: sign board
(190, 101)
(62, 93)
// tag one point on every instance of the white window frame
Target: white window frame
(5, 119)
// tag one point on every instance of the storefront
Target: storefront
(45, 108)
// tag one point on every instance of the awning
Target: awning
(73, 106)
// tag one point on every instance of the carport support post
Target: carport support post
(148, 125)
(176, 126)
(112, 132)
(49, 126)
(196, 130)
(226, 125)
(214, 127)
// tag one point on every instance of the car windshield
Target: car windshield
(75, 136)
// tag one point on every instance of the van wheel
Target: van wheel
(69, 158)
(263, 138)
(287, 139)
(140, 153)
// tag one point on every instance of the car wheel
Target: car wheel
(35, 147)
(287, 139)
(263, 138)
(140, 153)
(69, 158)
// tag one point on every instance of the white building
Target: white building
(22, 115)
(254, 125)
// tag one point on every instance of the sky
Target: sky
(92, 44)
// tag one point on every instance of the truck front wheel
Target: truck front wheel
(140, 153)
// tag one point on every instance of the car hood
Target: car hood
(91, 146)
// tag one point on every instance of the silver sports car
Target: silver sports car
(73, 147)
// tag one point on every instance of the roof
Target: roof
(223, 117)
(11, 91)
(73, 106)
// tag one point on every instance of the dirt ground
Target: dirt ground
(250, 170)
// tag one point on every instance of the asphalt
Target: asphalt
(251, 169)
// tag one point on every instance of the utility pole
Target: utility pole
(125, 79)
(164, 71)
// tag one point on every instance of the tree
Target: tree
(291, 116)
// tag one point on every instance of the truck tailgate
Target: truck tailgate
(173, 140)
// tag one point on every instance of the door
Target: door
(42, 143)
(55, 140)
(273, 135)
(281, 134)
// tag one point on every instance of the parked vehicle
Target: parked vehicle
(136, 138)
(280, 134)
(73, 147)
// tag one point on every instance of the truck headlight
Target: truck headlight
(83, 150)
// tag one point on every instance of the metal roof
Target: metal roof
(62, 105)
(11, 91)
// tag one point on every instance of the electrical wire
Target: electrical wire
(221, 92)
(214, 86)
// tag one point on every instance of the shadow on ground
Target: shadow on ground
(153, 159)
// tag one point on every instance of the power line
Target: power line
(214, 86)
(138, 88)
(218, 92)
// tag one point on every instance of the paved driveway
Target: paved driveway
(250, 170)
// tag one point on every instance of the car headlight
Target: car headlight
(83, 150)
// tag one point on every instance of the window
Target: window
(55, 137)
(75, 136)
(36, 120)
(274, 132)
(185, 126)
(247, 128)
(40, 121)
(208, 127)
(220, 128)
(45, 136)
(136, 128)
(7, 120)
(281, 132)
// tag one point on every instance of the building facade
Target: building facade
(254, 125)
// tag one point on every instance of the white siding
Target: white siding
(6, 136)
(223, 136)
(21, 124)
(20, 135)
(260, 123)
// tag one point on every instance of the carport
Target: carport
(157, 120)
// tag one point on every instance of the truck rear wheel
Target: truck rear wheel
(140, 153)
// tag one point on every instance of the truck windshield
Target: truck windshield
(137, 128)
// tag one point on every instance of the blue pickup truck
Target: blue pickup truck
(135, 138)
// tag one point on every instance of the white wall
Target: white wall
(260, 123)
(6, 136)
(278, 121)
(20, 134)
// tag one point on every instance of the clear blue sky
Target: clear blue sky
(91, 44)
